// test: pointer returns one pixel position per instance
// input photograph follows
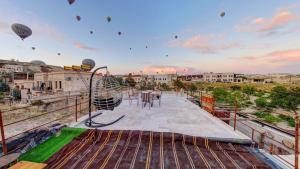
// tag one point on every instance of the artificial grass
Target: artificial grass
(45, 150)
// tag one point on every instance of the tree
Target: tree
(178, 84)
(120, 80)
(192, 88)
(130, 81)
(164, 86)
(16, 93)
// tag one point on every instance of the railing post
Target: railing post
(76, 109)
(235, 112)
(296, 140)
(252, 134)
(80, 111)
(4, 146)
(261, 142)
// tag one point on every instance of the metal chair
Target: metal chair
(147, 97)
(133, 95)
(157, 96)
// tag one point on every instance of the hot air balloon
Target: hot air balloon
(33, 48)
(129, 48)
(119, 33)
(71, 2)
(108, 19)
(146, 46)
(167, 55)
(21, 30)
(78, 18)
(89, 62)
(175, 36)
(91, 32)
(222, 14)
(58, 54)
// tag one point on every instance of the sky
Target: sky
(254, 36)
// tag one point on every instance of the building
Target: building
(64, 81)
(223, 77)
(136, 78)
(163, 78)
(193, 78)
(15, 73)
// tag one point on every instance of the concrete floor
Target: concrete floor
(176, 114)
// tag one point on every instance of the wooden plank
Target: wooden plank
(28, 165)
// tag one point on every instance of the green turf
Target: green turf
(45, 150)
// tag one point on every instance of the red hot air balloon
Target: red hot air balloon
(21, 30)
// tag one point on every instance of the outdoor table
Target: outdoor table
(5, 161)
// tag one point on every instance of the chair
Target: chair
(133, 95)
(157, 96)
(147, 97)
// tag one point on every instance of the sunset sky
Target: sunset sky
(255, 36)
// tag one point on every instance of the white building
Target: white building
(64, 81)
(163, 78)
(223, 77)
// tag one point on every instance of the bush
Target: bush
(284, 98)
(290, 120)
(267, 117)
(220, 95)
(261, 102)
(260, 114)
(235, 87)
(249, 90)
(272, 119)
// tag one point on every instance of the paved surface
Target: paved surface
(176, 115)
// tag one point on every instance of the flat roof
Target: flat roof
(176, 114)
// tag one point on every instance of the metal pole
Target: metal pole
(76, 109)
(296, 140)
(4, 146)
(90, 92)
(235, 111)
(80, 111)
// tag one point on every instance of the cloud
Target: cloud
(169, 69)
(85, 47)
(270, 26)
(274, 58)
(212, 43)
(284, 56)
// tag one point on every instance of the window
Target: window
(60, 84)
(55, 84)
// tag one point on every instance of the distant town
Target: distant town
(37, 75)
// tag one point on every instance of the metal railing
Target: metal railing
(260, 137)
(75, 108)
